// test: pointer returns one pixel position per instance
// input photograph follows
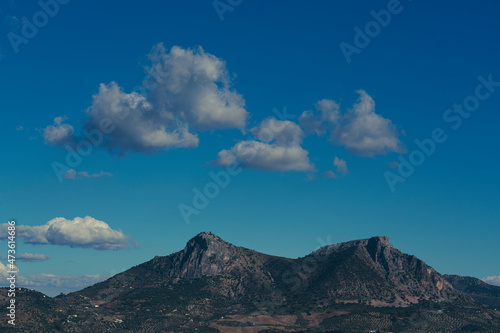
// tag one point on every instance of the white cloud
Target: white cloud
(51, 284)
(360, 129)
(310, 122)
(341, 166)
(59, 133)
(30, 257)
(79, 232)
(329, 114)
(494, 280)
(278, 149)
(72, 174)
(196, 87)
(85, 174)
(4, 269)
(186, 90)
(329, 174)
(365, 132)
(137, 125)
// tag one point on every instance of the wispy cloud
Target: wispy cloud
(32, 257)
(329, 174)
(51, 284)
(340, 167)
(73, 174)
(28, 257)
(494, 280)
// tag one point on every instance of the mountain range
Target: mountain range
(214, 286)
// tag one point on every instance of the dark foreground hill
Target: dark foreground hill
(214, 286)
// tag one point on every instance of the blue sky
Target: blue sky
(290, 198)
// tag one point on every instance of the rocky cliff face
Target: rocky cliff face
(234, 271)
(204, 255)
(403, 279)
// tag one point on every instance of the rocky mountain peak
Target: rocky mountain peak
(206, 254)
(382, 239)
(206, 240)
(208, 236)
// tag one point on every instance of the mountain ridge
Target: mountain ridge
(212, 285)
(395, 278)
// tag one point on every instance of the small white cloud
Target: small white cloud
(19, 128)
(494, 280)
(360, 129)
(31, 257)
(366, 133)
(80, 232)
(278, 148)
(329, 174)
(85, 174)
(310, 123)
(72, 174)
(330, 111)
(51, 284)
(341, 166)
(5, 268)
(59, 133)
(328, 115)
